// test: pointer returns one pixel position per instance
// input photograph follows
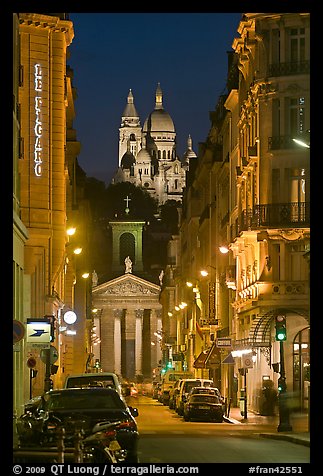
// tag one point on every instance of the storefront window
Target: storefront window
(301, 367)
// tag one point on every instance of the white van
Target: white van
(185, 386)
(103, 379)
(168, 382)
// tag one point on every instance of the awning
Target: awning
(199, 363)
(228, 359)
(213, 358)
(208, 359)
(259, 333)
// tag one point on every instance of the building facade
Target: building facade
(127, 325)
(47, 200)
(250, 192)
(147, 155)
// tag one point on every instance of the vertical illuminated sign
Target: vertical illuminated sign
(38, 122)
(212, 301)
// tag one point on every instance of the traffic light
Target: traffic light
(282, 385)
(280, 326)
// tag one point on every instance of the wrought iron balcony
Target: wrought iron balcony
(287, 69)
(281, 142)
(276, 215)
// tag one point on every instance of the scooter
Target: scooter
(102, 444)
(45, 432)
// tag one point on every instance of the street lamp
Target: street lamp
(303, 143)
(224, 249)
(71, 231)
(205, 273)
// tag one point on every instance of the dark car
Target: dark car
(204, 390)
(202, 407)
(89, 406)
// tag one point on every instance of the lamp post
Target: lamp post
(284, 423)
(212, 295)
(193, 316)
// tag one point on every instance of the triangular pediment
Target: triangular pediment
(128, 285)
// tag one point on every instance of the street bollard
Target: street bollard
(78, 453)
(15, 432)
(229, 407)
(60, 445)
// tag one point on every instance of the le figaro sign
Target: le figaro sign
(38, 146)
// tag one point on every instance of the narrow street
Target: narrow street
(166, 438)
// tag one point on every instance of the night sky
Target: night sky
(114, 52)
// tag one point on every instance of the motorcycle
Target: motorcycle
(47, 431)
(102, 444)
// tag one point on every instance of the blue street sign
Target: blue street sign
(38, 332)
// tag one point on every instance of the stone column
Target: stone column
(117, 340)
(138, 341)
(159, 331)
(153, 330)
(130, 327)
(107, 340)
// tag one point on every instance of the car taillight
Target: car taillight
(110, 434)
(127, 424)
(52, 425)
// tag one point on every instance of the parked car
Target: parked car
(168, 381)
(156, 387)
(209, 391)
(100, 379)
(173, 392)
(185, 386)
(203, 390)
(203, 406)
(91, 406)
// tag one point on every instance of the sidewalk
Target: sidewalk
(299, 422)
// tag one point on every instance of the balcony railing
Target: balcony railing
(287, 69)
(281, 142)
(285, 215)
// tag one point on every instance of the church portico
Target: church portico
(129, 321)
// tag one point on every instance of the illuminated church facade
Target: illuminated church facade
(147, 155)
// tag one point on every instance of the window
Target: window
(297, 44)
(296, 108)
(301, 367)
(297, 185)
(127, 247)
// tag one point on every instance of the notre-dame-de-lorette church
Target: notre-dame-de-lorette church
(129, 317)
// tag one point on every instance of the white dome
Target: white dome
(143, 156)
(159, 121)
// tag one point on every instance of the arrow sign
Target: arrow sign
(38, 332)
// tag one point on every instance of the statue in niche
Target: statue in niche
(161, 276)
(94, 278)
(128, 264)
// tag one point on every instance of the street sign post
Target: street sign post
(38, 332)
(53, 355)
(224, 342)
(31, 362)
